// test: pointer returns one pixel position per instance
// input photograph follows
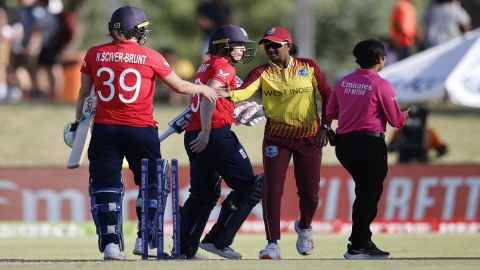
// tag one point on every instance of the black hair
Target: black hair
(368, 53)
(293, 50)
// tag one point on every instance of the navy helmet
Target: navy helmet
(222, 37)
(131, 22)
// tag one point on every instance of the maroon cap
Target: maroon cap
(276, 34)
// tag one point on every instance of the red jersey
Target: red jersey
(124, 79)
(220, 69)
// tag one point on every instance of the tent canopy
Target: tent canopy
(453, 66)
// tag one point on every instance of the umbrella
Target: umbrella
(453, 66)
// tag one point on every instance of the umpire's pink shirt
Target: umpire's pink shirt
(364, 101)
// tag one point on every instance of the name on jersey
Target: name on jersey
(202, 68)
(293, 91)
(121, 57)
(353, 88)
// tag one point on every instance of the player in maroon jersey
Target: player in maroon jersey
(214, 151)
(122, 75)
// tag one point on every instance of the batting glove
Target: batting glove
(69, 133)
(248, 113)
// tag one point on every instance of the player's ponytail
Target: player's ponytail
(293, 50)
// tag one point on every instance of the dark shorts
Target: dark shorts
(111, 143)
(49, 56)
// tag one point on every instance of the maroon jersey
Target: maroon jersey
(216, 68)
(124, 79)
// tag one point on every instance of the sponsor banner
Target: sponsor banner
(412, 193)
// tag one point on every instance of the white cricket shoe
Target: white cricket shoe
(271, 252)
(112, 252)
(137, 250)
(305, 240)
(227, 252)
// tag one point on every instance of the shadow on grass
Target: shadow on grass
(20, 261)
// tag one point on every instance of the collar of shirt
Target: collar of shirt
(362, 71)
(290, 61)
(221, 57)
(125, 41)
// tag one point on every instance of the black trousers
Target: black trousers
(225, 156)
(365, 158)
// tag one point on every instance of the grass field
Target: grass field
(31, 135)
(433, 251)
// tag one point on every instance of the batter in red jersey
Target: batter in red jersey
(121, 74)
(214, 151)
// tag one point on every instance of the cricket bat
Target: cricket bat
(83, 132)
(178, 124)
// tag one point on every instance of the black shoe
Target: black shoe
(367, 252)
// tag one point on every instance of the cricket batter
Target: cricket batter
(122, 74)
(214, 151)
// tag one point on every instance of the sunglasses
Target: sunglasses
(274, 45)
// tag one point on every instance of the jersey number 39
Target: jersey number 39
(135, 87)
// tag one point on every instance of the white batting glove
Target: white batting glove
(69, 133)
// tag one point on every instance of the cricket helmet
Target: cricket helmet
(223, 36)
(131, 22)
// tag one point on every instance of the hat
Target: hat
(127, 18)
(276, 34)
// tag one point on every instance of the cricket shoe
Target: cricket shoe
(368, 252)
(227, 252)
(305, 240)
(271, 252)
(112, 252)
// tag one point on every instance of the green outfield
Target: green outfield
(432, 251)
(32, 135)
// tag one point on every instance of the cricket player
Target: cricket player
(288, 85)
(122, 74)
(214, 151)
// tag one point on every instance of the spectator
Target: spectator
(210, 15)
(49, 75)
(445, 20)
(25, 48)
(5, 33)
(415, 140)
(11, 32)
(403, 29)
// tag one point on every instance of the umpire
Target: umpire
(363, 103)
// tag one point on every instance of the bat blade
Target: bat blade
(178, 124)
(83, 133)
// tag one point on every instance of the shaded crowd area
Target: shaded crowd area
(37, 61)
